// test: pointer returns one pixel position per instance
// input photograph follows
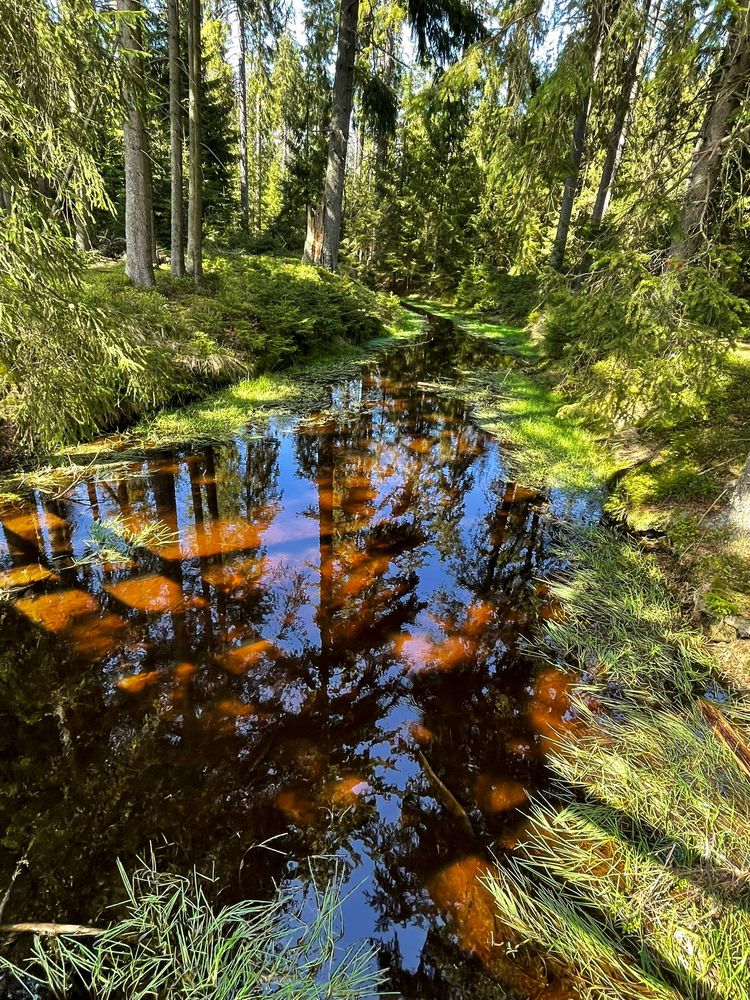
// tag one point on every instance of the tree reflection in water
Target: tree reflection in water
(328, 652)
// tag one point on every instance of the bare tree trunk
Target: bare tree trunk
(628, 95)
(177, 252)
(730, 88)
(324, 222)
(82, 222)
(139, 252)
(578, 145)
(242, 86)
(195, 183)
(258, 130)
(738, 514)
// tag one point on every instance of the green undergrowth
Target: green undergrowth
(635, 873)
(129, 352)
(682, 486)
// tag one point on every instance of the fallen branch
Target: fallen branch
(727, 735)
(51, 930)
(445, 795)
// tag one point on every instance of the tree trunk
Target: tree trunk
(627, 97)
(578, 145)
(738, 514)
(730, 88)
(242, 85)
(195, 183)
(177, 252)
(82, 221)
(324, 222)
(258, 154)
(139, 250)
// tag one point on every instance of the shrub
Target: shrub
(634, 346)
(94, 352)
(510, 297)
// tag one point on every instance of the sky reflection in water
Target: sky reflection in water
(327, 651)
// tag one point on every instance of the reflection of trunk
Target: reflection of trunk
(200, 534)
(626, 99)
(177, 253)
(324, 221)
(139, 251)
(195, 184)
(165, 499)
(729, 90)
(578, 146)
(242, 86)
(325, 542)
(738, 514)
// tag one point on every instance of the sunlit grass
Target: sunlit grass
(511, 340)
(114, 540)
(173, 941)
(636, 875)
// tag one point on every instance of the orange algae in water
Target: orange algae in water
(466, 904)
(421, 734)
(184, 671)
(217, 538)
(96, 636)
(496, 795)
(236, 709)
(298, 806)
(23, 576)
(235, 575)
(243, 658)
(152, 594)
(549, 701)
(135, 683)
(59, 610)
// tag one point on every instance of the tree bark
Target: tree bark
(177, 252)
(730, 89)
(139, 250)
(578, 144)
(242, 86)
(324, 221)
(195, 183)
(738, 514)
(627, 97)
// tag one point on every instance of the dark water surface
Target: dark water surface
(329, 651)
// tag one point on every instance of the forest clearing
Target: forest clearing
(374, 499)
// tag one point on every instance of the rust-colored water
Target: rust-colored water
(328, 653)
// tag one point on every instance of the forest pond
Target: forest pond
(324, 647)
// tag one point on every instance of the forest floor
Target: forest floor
(637, 876)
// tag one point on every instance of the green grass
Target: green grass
(298, 388)
(174, 941)
(508, 339)
(636, 875)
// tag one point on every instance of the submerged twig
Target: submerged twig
(445, 795)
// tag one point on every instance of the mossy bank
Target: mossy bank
(129, 353)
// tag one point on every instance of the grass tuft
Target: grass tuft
(173, 941)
